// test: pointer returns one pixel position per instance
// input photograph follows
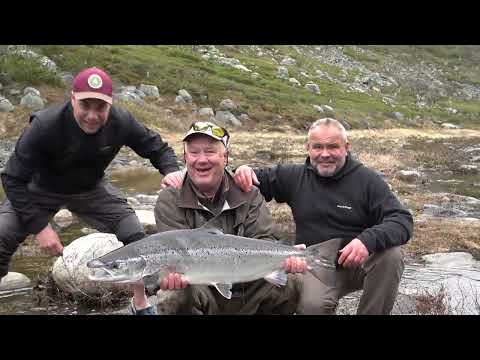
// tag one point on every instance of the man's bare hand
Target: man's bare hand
(245, 177)
(173, 281)
(174, 179)
(353, 254)
(295, 264)
(49, 241)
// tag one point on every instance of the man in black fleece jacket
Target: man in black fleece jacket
(333, 196)
(59, 161)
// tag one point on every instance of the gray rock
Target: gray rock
(67, 79)
(129, 96)
(408, 175)
(318, 108)
(206, 112)
(288, 61)
(228, 118)
(469, 169)
(14, 281)
(149, 90)
(282, 72)
(5, 105)
(452, 111)
(399, 116)
(328, 108)
(139, 93)
(294, 81)
(244, 117)
(227, 104)
(185, 95)
(128, 88)
(180, 100)
(32, 101)
(449, 126)
(14, 92)
(439, 211)
(31, 90)
(312, 87)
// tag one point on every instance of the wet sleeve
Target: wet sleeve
(393, 223)
(149, 145)
(28, 155)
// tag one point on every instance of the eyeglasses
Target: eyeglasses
(215, 129)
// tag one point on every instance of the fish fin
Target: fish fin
(277, 278)
(322, 260)
(224, 289)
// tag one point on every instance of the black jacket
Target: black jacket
(355, 203)
(59, 157)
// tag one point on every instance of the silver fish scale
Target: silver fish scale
(217, 258)
(206, 256)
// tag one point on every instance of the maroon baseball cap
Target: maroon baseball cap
(93, 83)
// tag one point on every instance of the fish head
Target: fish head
(117, 270)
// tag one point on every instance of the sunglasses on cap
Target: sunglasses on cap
(210, 129)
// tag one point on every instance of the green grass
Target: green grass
(27, 71)
(172, 67)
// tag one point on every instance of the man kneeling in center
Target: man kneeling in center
(210, 198)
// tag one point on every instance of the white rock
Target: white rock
(206, 112)
(408, 175)
(185, 95)
(450, 126)
(14, 281)
(147, 219)
(70, 271)
(294, 81)
(63, 218)
(31, 90)
(288, 61)
(282, 72)
(312, 87)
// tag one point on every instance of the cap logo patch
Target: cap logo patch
(95, 81)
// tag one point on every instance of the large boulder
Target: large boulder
(32, 90)
(14, 281)
(70, 272)
(32, 101)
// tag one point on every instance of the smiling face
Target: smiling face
(90, 114)
(206, 159)
(327, 149)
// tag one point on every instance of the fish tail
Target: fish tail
(324, 255)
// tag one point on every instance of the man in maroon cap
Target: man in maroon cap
(59, 161)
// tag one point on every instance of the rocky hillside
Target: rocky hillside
(250, 86)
